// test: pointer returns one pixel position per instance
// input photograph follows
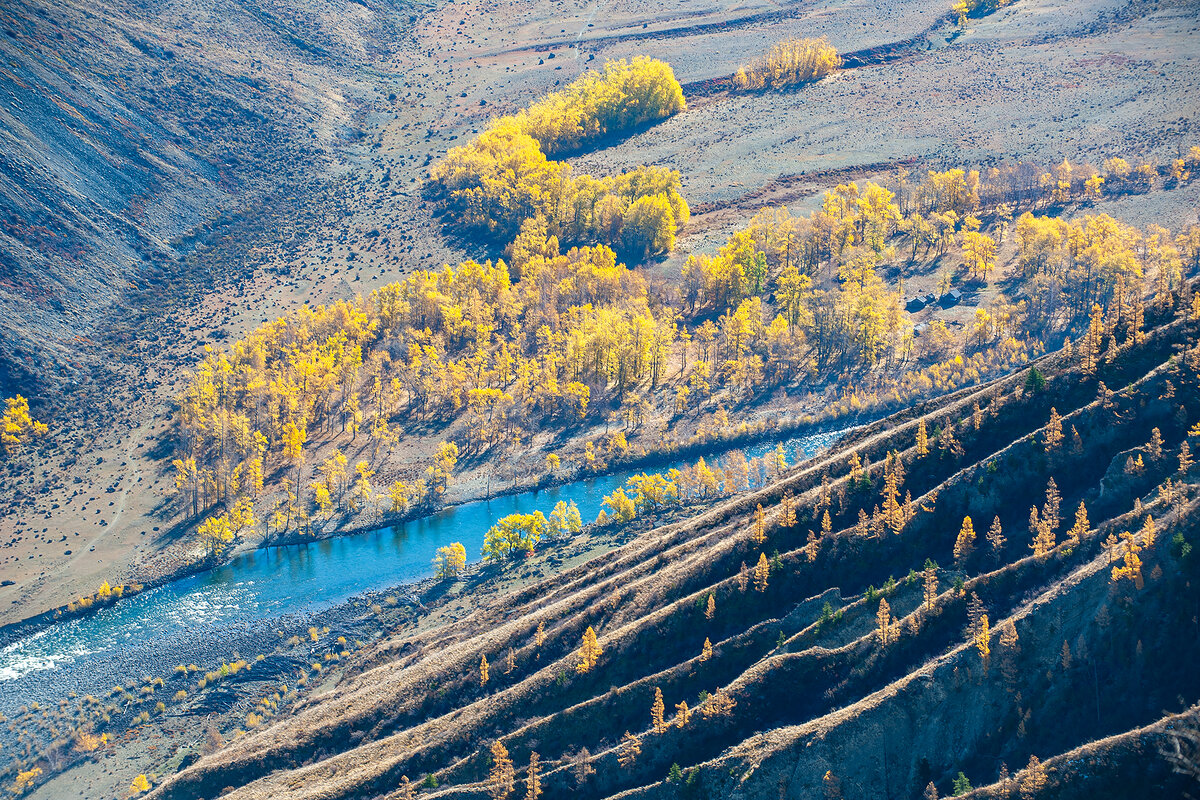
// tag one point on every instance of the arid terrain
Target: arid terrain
(174, 175)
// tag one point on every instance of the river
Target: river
(240, 605)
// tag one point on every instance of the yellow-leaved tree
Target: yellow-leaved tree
(657, 708)
(589, 651)
(762, 571)
(17, 427)
(965, 544)
(502, 775)
(450, 560)
(789, 63)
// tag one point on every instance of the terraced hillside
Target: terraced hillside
(295, 296)
(869, 661)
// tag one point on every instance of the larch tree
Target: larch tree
(718, 704)
(657, 708)
(539, 636)
(682, 714)
(710, 609)
(983, 640)
(502, 777)
(965, 544)
(762, 571)
(1110, 547)
(589, 651)
(293, 447)
(1032, 780)
(1185, 455)
(1131, 566)
(706, 651)
(883, 619)
(483, 670)
(995, 537)
(743, 577)
(1054, 432)
(511, 662)
(1148, 531)
(811, 546)
(1155, 446)
(631, 748)
(1043, 535)
(759, 531)
(931, 585)
(949, 443)
(893, 514)
(975, 610)
(788, 516)
(407, 792)
(1051, 515)
(533, 778)
(922, 438)
(1081, 526)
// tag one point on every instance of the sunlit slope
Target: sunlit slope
(845, 638)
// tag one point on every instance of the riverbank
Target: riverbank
(657, 459)
(293, 657)
(263, 588)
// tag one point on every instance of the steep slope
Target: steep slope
(816, 690)
(126, 126)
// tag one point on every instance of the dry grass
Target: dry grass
(421, 705)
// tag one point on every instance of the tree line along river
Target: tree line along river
(206, 616)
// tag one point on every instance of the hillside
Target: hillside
(494, 399)
(814, 688)
(351, 109)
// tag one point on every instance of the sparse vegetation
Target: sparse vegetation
(790, 63)
(1031, 334)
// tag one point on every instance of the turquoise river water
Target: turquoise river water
(208, 615)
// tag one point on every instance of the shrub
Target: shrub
(789, 63)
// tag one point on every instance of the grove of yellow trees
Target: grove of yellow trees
(17, 427)
(547, 338)
(789, 63)
(502, 181)
(620, 96)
